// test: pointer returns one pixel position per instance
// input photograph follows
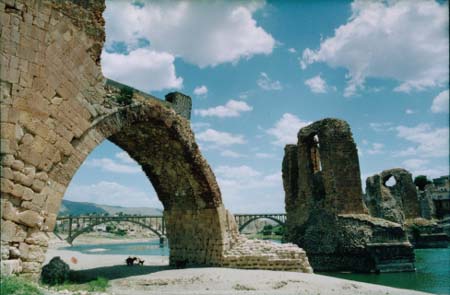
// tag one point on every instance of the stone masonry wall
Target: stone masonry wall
(56, 107)
(325, 212)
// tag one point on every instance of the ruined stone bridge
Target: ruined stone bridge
(75, 226)
(56, 107)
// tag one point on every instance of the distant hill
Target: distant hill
(83, 208)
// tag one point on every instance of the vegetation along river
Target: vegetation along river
(432, 275)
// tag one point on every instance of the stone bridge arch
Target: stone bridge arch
(56, 107)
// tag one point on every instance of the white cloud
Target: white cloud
(409, 112)
(381, 126)
(265, 83)
(286, 129)
(377, 148)
(231, 154)
(232, 108)
(245, 189)
(440, 102)
(422, 167)
(264, 155)
(203, 33)
(428, 141)
(110, 165)
(236, 172)
(292, 50)
(111, 193)
(219, 138)
(402, 40)
(317, 84)
(201, 90)
(125, 158)
(143, 69)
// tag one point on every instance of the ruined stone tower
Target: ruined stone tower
(400, 203)
(325, 210)
(395, 203)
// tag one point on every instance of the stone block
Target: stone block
(7, 160)
(31, 252)
(9, 267)
(31, 267)
(37, 237)
(6, 185)
(7, 173)
(12, 232)
(17, 190)
(17, 165)
(31, 218)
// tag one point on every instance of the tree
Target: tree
(421, 181)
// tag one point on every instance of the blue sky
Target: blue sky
(259, 71)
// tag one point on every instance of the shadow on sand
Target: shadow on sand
(114, 272)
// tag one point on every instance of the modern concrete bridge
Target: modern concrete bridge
(78, 225)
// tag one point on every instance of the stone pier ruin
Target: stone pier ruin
(325, 212)
(400, 203)
(56, 107)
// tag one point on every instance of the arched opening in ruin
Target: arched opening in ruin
(110, 200)
(389, 181)
(158, 140)
(314, 151)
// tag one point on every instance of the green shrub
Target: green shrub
(98, 285)
(125, 96)
(13, 285)
(55, 272)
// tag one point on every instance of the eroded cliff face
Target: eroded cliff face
(326, 214)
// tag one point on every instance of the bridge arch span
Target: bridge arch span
(248, 222)
(88, 228)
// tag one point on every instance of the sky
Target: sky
(259, 71)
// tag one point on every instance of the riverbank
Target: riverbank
(156, 277)
(97, 238)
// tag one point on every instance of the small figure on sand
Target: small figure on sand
(130, 261)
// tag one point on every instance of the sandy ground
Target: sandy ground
(155, 277)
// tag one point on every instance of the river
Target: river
(432, 274)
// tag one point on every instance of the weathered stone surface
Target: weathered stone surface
(395, 203)
(9, 267)
(401, 203)
(12, 232)
(58, 107)
(325, 212)
(4, 249)
(31, 252)
(30, 218)
(37, 237)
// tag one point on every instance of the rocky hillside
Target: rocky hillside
(83, 208)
